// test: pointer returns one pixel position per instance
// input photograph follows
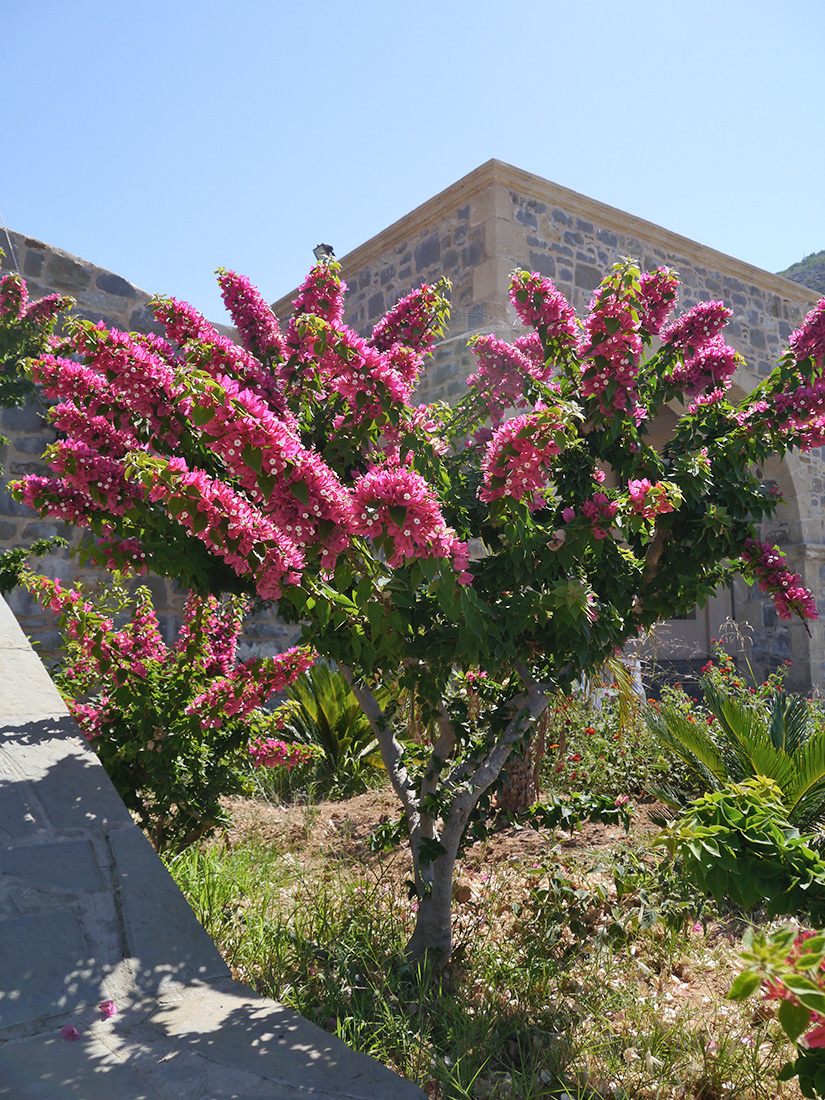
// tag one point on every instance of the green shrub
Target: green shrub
(741, 733)
(737, 844)
(323, 712)
(176, 728)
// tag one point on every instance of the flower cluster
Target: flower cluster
(657, 294)
(223, 520)
(611, 348)
(368, 380)
(256, 323)
(271, 753)
(210, 632)
(504, 369)
(696, 328)
(808, 341)
(647, 499)
(539, 304)
(322, 293)
(517, 457)
(412, 322)
(26, 330)
(13, 295)
(249, 685)
(775, 578)
(712, 366)
(127, 650)
(395, 505)
(182, 322)
(137, 376)
(600, 510)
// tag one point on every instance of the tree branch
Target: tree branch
(391, 751)
(534, 703)
(654, 556)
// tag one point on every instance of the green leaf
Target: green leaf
(253, 457)
(808, 992)
(200, 520)
(376, 614)
(744, 985)
(398, 515)
(793, 1019)
(266, 483)
(201, 415)
(300, 491)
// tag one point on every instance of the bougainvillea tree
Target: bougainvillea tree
(296, 466)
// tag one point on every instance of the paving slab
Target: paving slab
(88, 913)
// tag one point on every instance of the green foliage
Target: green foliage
(172, 750)
(737, 844)
(13, 563)
(568, 812)
(599, 743)
(741, 733)
(324, 712)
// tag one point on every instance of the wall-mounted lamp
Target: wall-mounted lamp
(323, 252)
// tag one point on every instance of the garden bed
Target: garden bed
(579, 967)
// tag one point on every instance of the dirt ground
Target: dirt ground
(514, 856)
(341, 830)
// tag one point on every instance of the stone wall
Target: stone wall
(498, 218)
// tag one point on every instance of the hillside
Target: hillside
(808, 272)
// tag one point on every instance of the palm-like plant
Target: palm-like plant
(782, 741)
(323, 711)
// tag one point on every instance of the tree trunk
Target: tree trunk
(520, 779)
(432, 937)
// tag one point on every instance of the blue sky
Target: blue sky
(163, 139)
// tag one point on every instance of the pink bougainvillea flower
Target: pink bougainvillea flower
(696, 328)
(784, 587)
(70, 1033)
(657, 291)
(808, 341)
(107, 1009)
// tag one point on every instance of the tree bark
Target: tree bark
(520, 790)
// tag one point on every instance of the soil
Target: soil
(341, 830)
(514, 856)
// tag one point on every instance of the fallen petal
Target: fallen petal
(70, 1033)
(107, 1009)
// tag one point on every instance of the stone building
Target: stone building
(475, 232)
